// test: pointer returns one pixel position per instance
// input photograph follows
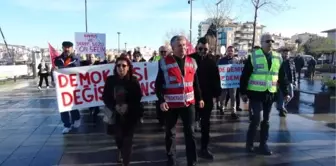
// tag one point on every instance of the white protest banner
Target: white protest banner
(82, 87)
(146, 53)
(230, 75)
(90, 43)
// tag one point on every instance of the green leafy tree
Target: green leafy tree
(320, 45)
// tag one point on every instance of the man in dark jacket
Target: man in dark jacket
(299, 64)
(65, 60)
(92, 60)
(209, 81)
(226, 60)
(289, 67)
(258, 83)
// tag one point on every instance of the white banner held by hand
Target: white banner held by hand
(82, 87)
(90, 43)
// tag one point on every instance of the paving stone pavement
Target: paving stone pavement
(30, 135)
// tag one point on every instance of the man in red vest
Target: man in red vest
(178, 90)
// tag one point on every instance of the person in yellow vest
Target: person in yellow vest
(178, 90)
(262, 72)
(163, 52)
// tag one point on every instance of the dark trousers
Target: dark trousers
(45, 77)
(256, 107)
(299, 75)
(66, 117)
(205, 114)
(237, 98)
(94, 111)
(159, 113)
(124, 140)
(188, 119)
(52, 76)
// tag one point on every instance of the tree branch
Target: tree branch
(219, 15)
(254, 3)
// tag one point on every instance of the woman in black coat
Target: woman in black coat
(122, 95)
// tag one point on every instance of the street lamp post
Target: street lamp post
(217, 24)
(118, 41)
(190, 28)
(86, 26)
(125, 46)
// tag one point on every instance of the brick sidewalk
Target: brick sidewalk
(30, 134)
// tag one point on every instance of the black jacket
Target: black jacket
(46, 68)
(245, 77)
(208, 76)
(133, 97)
(289, 67)
(60, 61)
(141, 60)
(160, 81)
(299, 63)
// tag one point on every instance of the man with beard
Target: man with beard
(65, 60)
(209, 81)
(289, 67)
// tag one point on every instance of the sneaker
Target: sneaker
(66, 130)
(282, 113)
(234, 116)
(47, 87)
(77, 123)
(206, 154)
(39, 88)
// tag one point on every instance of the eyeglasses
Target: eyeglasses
(269, 41)
(202, 49)
(121, 65)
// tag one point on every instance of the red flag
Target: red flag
(53, 54)
(190, 48)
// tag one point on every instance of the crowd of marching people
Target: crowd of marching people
(187, 86)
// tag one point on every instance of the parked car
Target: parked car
(306, 58)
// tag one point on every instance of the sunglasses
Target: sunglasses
(163, 51)
(269, 41)
(121, 65)
(202, 49)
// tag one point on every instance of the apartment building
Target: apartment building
(235, 34)
(304, 37)
(331, 34)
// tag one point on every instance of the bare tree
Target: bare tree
(268, 5)
(219, 12)
(172, 33)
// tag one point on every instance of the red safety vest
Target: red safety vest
(179, 91)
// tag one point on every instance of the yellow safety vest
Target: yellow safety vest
(262, 78)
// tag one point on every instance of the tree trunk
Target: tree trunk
(254, 25)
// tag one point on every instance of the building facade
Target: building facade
(239, 35)
(304, 37)
(331, 33)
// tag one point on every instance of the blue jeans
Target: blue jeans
(280, 102)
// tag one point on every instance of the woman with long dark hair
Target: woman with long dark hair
(122, 95)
